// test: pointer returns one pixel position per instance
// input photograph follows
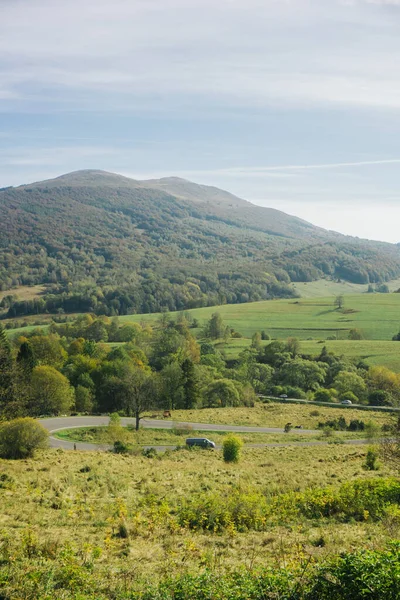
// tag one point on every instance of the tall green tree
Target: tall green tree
(190, 384)
(7, 372)
(172, 381)
(215, 328)
(51, 392)
(140, 391)
(26, 360)
(221, 393)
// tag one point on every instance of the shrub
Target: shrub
(231, 448)
(150, 453)
(120, 448)
(323, 395)
(370, 460)
(295, 392)
(21, 437)
(183, 429)
(356, 425)
(328, 431)
(122, 532)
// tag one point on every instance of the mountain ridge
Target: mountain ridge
(111, 244)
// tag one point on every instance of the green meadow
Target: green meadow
(376, 315)
(313, 320)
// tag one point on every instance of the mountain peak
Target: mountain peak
(87, 177)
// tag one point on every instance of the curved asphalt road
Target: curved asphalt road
(58, 423)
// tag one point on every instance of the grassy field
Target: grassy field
(311, 320)
(373, 352)
(157, 437)
(78, 522)
(276, 414)
(25, 292)
(325, 287)
(376, 315)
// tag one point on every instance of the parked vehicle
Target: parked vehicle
(200, 442)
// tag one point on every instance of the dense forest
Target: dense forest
(93, 364)
(110, 245)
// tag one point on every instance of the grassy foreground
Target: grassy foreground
(89, 525)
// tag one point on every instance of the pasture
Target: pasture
(376, 315)
(25, 292)
(314, 321)
(98, 525)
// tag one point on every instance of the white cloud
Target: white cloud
(170, 52)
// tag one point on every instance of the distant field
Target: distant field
(325, 287)
(311, 320)
(24, 292)
(376, 315)
(374, 352)
(23, 330)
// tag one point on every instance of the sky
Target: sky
(291, 104)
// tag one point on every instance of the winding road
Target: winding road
(55, 424)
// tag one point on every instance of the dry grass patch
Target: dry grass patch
(277, 414)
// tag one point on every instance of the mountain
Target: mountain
(111, 244)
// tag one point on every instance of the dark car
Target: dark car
(200, 442)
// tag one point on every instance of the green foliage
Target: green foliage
(350, 382)
(362, 575)
(51, 393)
(231, 448)
(305, 374)
(323, 395)
(48, 350)
(221, 393)
(339, 301)
(359, 500)
(120, 447)
(215, 328)
(20, 438)
(365, 575)
(355, 334)
(190, 387)
(340, 424)
(371, 460)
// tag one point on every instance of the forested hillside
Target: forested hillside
(108, 244)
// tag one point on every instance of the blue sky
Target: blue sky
(293, 104)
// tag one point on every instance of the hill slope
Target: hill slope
(111, 244)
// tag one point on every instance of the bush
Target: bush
(323, 395)
(231, 448)
(370, 460)
(21, 437)
(183, 429)
(150, 453)
(120, 448)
